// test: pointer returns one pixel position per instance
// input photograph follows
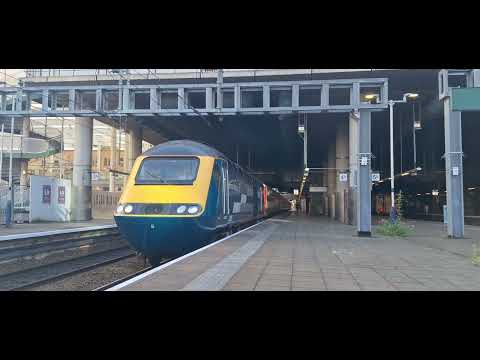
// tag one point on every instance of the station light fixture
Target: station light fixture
(435, 192)
(410, 96)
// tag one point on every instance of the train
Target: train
(182, 195)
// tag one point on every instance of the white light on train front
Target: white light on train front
(181, 209)
(193, 209)
(128, 209)
(119, 209)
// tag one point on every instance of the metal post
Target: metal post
(1, 156)
(454, 170)
(414, 140)
(61, 151)
(364, 214)
(45, 158)
(393, 212)
(113, 148)
(305, 143)
(10, 201)
(219, 89)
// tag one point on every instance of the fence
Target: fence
(21, 201)
(105, 200)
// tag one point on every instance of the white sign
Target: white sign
(375, 176)
(363, 161)
(455, 171)
(318, 189)
(343, 177)
(95, 176)
(295, 191)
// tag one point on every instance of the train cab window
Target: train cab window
(170, 171)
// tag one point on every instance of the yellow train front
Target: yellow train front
(182, 195)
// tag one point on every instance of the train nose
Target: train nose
(162, 237)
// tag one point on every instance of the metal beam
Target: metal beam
(181, 99)
(154, 99)
(124, 98)
(295, 96)
(209, 98)
(266, 97)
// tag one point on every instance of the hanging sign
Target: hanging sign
(376, 176)
(466, 99)
(343, 177)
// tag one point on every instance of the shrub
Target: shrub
(395, 229)
(476, 255)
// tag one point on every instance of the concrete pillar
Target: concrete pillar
(331, 178)
(342, 157)
(82, 170)
(135, 144)
(353, 174)
(126, 158)
(113, 159)
(364, 200)
(24, 163)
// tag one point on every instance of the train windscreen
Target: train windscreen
(170, 171)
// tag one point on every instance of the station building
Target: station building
(296, 129)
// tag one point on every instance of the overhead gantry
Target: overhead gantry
(103, 101)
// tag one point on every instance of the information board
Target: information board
(466, 99)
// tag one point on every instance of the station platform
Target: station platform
(315, 253)
(29, 230)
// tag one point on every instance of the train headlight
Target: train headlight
(119, 209)
(193, 209)
(181, 209)
(128, 209)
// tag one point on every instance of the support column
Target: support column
(24, 162)
(135, 143)
(454, 170)
(353, 160)
(82, 170)
(342, 166)
(364, 201)
(113, 159)
(126, 158)
(331, 178)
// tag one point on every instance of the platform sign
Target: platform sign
(95, 176)
(295, 191)
(47, 194)
(343, 177)
(466, 99)
(375, 176)
(61, 194)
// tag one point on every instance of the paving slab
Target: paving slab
(316, 254)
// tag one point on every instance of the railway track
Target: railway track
(30, 278)
(18, 249)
